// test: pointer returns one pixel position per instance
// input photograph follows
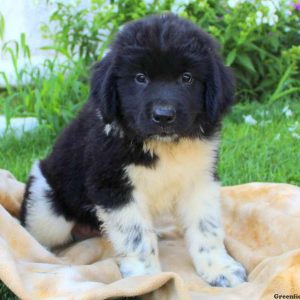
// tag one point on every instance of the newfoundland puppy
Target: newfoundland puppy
(146, 142)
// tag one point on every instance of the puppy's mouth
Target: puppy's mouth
(164, 135)
(165, 138)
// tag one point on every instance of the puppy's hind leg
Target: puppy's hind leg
(38, 215)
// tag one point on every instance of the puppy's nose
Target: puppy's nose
(163, 114)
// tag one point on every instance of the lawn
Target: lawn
(266, 150)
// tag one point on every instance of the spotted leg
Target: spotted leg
(133, 238)
(199, 213)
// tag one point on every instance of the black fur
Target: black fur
(26, 196)
(86, 166)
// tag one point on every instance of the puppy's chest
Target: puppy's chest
(180, 165)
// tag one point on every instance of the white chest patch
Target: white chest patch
(180, 165)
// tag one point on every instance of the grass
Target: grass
(267, 151)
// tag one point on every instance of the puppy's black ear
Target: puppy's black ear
(219, 90)
(103, 88)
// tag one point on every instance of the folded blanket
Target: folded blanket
(262, 222)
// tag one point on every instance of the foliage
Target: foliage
(87, 32)
(260, 40)
(2, 26)
(52, 92)
(6, 294)
(256, 36)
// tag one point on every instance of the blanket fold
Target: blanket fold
(262, 222)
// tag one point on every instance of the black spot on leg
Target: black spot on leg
(137, 240)
(202, 226)
(208, 226)
(212, 224)
(203, 249)
(241, 274)
(121, 228)
(220, 281)
(134, 236)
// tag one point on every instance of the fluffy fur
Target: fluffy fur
(145, 143)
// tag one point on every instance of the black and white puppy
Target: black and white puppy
(146, 142)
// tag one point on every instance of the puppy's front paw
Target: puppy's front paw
(230, 276)
(222, 271)
(131, 266)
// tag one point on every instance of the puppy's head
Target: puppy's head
(163, 78)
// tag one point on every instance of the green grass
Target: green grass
(267, 151)
(18, 154)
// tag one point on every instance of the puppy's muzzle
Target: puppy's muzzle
(163, 114)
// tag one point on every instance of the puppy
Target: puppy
(146, 142)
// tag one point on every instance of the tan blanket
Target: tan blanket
(262, 223)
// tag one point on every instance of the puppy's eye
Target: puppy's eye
(187, 78)
(141, 78)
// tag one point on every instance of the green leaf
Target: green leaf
(2, 26)
(230, 57)
(246, 62)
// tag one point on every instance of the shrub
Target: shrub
(259, 40)
(52, 92)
